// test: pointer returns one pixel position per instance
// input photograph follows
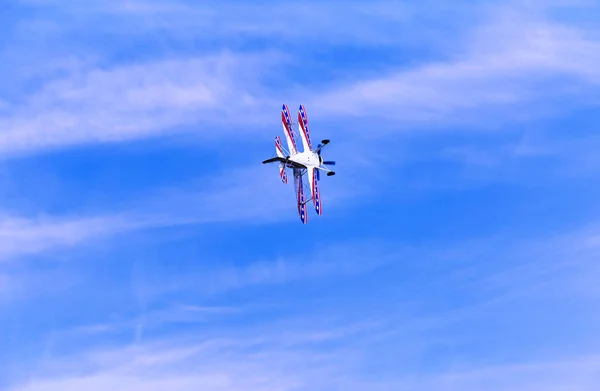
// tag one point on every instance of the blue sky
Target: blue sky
(143, 245)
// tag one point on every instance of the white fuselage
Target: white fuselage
(307, 158)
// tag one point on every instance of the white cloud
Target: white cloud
(209, 365)
(20, 236)
(556, 266)
(496, 64)
(327, 262)
(511, 59)
(333, 22)
(272, 358)
(309, 354)
(280, 355)
(577, 374)
(132, 101)
(244, 195)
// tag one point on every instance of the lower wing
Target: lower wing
(300, 196)
(313, 178)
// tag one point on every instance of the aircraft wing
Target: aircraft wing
(300, 196)
(279, 147)
(286, 122)
(304, 129)
(280, 153)
(314, 189)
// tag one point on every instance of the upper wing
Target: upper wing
(279, 147)
(300, 196)
(280, 153)
(314, 189)
(286, 122)
(304, 130)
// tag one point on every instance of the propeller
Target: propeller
(318, 151)
(320, 146)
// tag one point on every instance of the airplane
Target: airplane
(308, 162)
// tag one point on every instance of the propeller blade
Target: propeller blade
(329, 163)
(318, 174)
(320, 146)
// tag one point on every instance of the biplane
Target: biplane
(307, 163)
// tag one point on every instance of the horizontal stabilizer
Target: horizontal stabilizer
(274, 159)
(289, 163)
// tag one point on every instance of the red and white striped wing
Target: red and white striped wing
(281, 153)
(304, 128)
(286, 122)
(300, 196)
(314, 188)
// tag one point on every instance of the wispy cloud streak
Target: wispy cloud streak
(501, 61)
(133, 101)
(506, 62)
(235, 196)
